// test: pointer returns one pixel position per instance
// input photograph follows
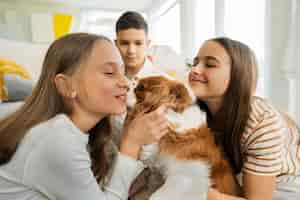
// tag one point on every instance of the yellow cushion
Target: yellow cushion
(10, 67)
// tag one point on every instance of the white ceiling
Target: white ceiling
(139, 5)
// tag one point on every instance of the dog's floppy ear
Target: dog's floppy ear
(181, 96)
(178, 91)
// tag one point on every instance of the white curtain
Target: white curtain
(283, 55)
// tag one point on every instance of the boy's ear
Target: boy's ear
(148, 42)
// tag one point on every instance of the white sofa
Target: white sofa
(30, 56)
(8, 108)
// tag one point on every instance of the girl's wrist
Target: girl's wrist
(130, 149)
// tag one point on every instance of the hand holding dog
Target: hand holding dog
(146, 128)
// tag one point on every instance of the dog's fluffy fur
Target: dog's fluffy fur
(186, 151)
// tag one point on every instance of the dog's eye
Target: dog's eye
(140, 87)
(178, 96)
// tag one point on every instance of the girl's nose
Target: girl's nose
(123, 82)
(197, 69)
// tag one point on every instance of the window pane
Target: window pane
(205, 21)
(101, 22)
(166, 29)
(245, 21)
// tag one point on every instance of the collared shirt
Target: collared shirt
(147, 70)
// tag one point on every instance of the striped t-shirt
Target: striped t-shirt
(270, 144)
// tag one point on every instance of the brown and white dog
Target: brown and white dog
(187, 156)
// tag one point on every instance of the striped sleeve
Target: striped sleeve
(264, 147)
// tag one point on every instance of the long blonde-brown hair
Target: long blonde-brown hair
(63, 56)
(229, 123)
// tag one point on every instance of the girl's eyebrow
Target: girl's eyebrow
(196, 59)
(111, 65)
(212, 58)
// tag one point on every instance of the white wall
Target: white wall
(29, 55)
(16, 17)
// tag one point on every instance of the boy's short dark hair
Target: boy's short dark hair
(131, 19)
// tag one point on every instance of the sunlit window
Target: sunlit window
(204, 22)
(245, 21)
(100, 22)
(165, 30)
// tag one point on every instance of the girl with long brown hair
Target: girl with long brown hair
(55, 145)
(260, 142)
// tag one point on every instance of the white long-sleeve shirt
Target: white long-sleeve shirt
(52, 162)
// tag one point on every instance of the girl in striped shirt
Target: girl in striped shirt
(261, 143)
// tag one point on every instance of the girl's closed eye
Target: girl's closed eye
(195, 62)
(109, 73)
(108, 70)
(210, 64)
